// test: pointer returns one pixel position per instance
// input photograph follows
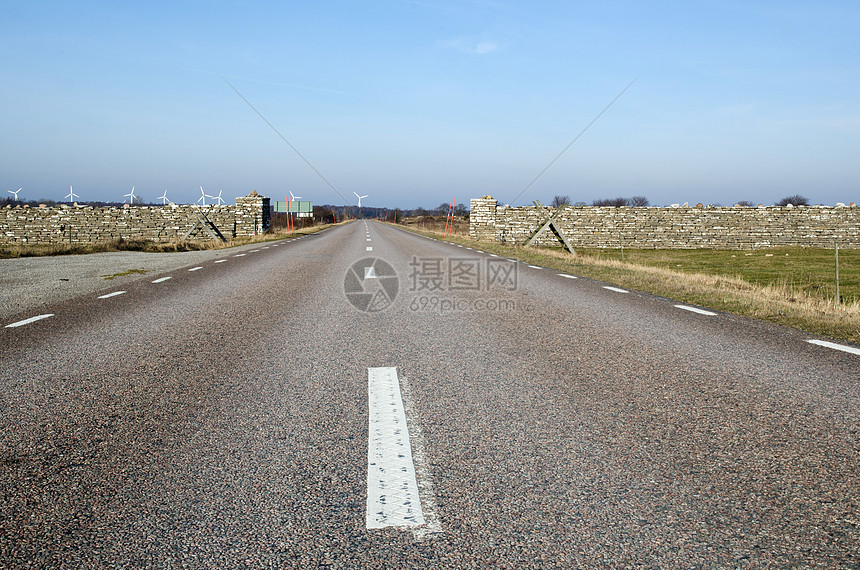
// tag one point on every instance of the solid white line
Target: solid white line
(392, 489)
(30, 320)
(162, 279)
(616, 289)
(114, 294)
(696, 310)
(368, 248)
(220, 260)
(834, 346)
(568, 276)
(195, 269)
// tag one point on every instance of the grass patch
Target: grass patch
(789, 286)
(129, 272)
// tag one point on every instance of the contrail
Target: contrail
(277, 132)
(529, 185)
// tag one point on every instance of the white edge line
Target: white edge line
(616, 289)
(834, 346)
(114, 294)
(30, 320)
(565, 275)
(696, 310)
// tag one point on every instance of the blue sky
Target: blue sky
(414, 102)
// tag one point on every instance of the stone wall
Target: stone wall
(672, 228)
(87, 224)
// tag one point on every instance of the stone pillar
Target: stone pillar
(254, 214)
(482, 218)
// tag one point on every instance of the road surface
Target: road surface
(366, 397)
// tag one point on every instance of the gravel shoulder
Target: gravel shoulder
(30, 282)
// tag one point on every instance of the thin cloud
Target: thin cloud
(465, 45)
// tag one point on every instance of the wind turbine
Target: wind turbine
(71, 195)
(163, 197)
(218, 197)
(14, 193)
(202, 197)
(130, 196)
(359, 198)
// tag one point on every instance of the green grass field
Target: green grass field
(800, 270)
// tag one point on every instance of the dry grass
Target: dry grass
(778, 303)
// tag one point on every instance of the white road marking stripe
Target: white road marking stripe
(492, 255)
(162, 279)
(220, 260)
(368, 248)
(392, 488)
(368, 239)
(114, 294)
(568, 276)
(696, 310)
(834, 346)
(30, 320)
(536, 267)
(239, 255)
(195, 269)
(616, 289)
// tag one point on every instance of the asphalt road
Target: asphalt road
(219, 418)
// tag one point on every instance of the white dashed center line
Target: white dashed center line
(239, 255)
(368, 248)
(195, 269)
(834, 346)
(162, 279)
(114, 294)
(30, 320)
(696, 310)
(616, 289)
(392, 488)
(220, 260)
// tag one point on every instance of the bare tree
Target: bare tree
(796, 200)
(638, 201)
(616, 202)
(558, 201)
